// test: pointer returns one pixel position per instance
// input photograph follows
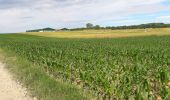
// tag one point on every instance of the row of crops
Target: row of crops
(127, 68)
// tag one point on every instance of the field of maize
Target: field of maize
(136, 68)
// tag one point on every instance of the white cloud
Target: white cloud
(19, 15)
(164, 17)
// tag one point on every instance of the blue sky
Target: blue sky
(20, 15)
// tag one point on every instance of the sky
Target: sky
(22, 15)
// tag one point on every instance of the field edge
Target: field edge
(37, 82)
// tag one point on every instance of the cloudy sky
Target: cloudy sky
(20, 15)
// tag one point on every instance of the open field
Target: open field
(123, 68)
(104, 33)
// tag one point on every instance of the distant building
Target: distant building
(63, 29)
(42, 30)
(48, 30)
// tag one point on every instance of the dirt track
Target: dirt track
(10, 89)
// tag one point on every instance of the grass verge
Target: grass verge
(38, 83)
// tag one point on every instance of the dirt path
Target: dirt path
(10, 89)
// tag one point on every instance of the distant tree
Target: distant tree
(97, 27)
(89, 25)
(141, 26)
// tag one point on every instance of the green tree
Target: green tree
(89, 25)
(97, 27)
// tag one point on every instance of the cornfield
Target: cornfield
(136, 68)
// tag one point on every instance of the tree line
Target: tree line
(98, 27)
(141, 26)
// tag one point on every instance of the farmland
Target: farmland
(112, 68)
(104, 33)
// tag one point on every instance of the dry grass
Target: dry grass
(104, 33)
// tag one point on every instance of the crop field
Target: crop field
(104, 33)
(134, 68)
